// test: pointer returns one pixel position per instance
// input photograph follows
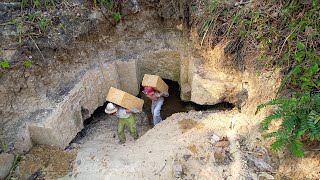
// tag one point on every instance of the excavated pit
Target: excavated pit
(173, 104)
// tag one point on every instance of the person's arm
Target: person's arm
(135, 110)
(164, 94)
(128, 111)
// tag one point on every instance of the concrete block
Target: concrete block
(124, 99)
(155, 82)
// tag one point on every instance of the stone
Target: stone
(6, 162)
(260, 163)
(253, 176)
(265, 175)
(127, 72)
(155, 82)
(214, 139)
(177, 169)
(219, 157)
(186, 157)
(210, 91)
(222, 144)
(124, 99)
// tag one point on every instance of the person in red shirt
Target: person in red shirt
(157, 102)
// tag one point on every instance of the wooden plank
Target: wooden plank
(155, 82)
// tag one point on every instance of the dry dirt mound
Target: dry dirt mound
(194, 145)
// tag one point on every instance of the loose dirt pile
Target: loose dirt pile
(46, 162)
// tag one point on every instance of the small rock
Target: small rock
(186, 157)
(74, 145)
(265, 175)
(78, 162)
(6, 162)
(177, 169)
(253, 176)
(222, 144)
(193, 176)
(214, 139)
(219, 157)
(260, 163)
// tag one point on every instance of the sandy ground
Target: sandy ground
(194, 145)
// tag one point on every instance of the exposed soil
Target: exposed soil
(46, 162)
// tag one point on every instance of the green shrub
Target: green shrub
(300, 116)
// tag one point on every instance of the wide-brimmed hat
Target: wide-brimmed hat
(148, 90)
(111, 108)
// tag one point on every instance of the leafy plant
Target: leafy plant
(36, 3)
(46, 3)
(300, 117)
(19, 32)
(286, 34)
(44, 24)
(116, 16)
(24, 3)
(4, 64)
(27, 64)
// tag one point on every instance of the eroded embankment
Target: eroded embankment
(57, 98)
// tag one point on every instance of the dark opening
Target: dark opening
(172, 104)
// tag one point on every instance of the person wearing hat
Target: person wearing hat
(125, 118)
(157, 102)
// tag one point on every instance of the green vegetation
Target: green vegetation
(286, 33)
(3, 147)
(300, 117)
(27, 64)
(4, 64)
(110, 6)
(14, 166)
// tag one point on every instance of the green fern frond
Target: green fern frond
(280, 102)
(296, 148)
(269, 135)
(312, 117)
(278, 144)
(282, 134)
(289, 123)
(274, 115)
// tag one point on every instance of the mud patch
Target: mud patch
(187, 124)
(46, 162)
